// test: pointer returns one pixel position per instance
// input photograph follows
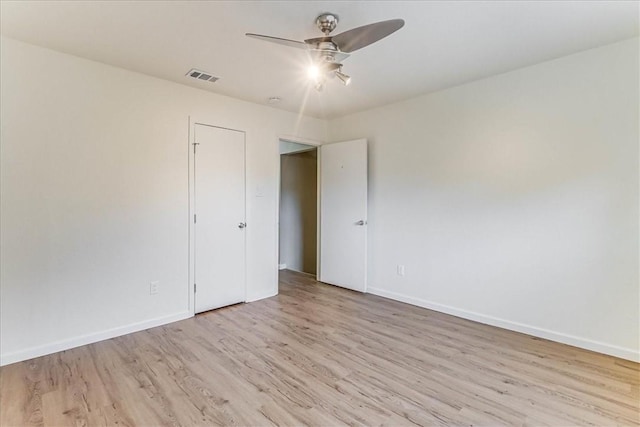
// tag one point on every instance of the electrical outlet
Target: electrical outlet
(400, 270)
(153, 287)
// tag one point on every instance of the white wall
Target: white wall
(514, 200)
(95, 197)
(298, 211)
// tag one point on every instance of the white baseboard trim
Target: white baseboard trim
(314, 275)
(30, 353)
(600, 347)
(282, 266)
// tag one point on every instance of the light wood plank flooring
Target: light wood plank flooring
(321, 355)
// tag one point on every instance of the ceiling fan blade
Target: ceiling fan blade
(286, 42)
(360, 37)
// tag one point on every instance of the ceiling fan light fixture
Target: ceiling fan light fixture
(314, 72)
(319, 72)
(345, 79)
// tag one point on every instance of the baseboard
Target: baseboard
(30, 353)
(314, 275)
(600, 347)
(282, 266)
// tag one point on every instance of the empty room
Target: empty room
(260, 213)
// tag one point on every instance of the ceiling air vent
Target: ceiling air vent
(202, 75)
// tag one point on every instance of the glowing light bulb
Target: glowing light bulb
(314, 72)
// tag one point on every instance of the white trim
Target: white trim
(302, 272)
(298, 140)
(597, 346)
(191, 180)
(318, 208)
(67, 344)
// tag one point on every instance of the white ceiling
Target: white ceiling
(443, 43)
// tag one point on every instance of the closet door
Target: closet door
(219, 221)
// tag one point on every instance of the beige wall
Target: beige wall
(298, 211)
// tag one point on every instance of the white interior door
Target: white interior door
(343, 214)
(219, 224)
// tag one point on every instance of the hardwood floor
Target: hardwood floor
(322, 355)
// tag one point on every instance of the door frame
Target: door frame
(316, 144)
(193, 121)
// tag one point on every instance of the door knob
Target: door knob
(242, 225)
(361, 222)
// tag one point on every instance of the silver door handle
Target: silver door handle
(242, 225)
(361, 222)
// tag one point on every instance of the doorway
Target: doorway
(298, 206)
(323, 211)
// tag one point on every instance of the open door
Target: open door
(343, 214)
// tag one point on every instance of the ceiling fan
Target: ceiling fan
(329, 51)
